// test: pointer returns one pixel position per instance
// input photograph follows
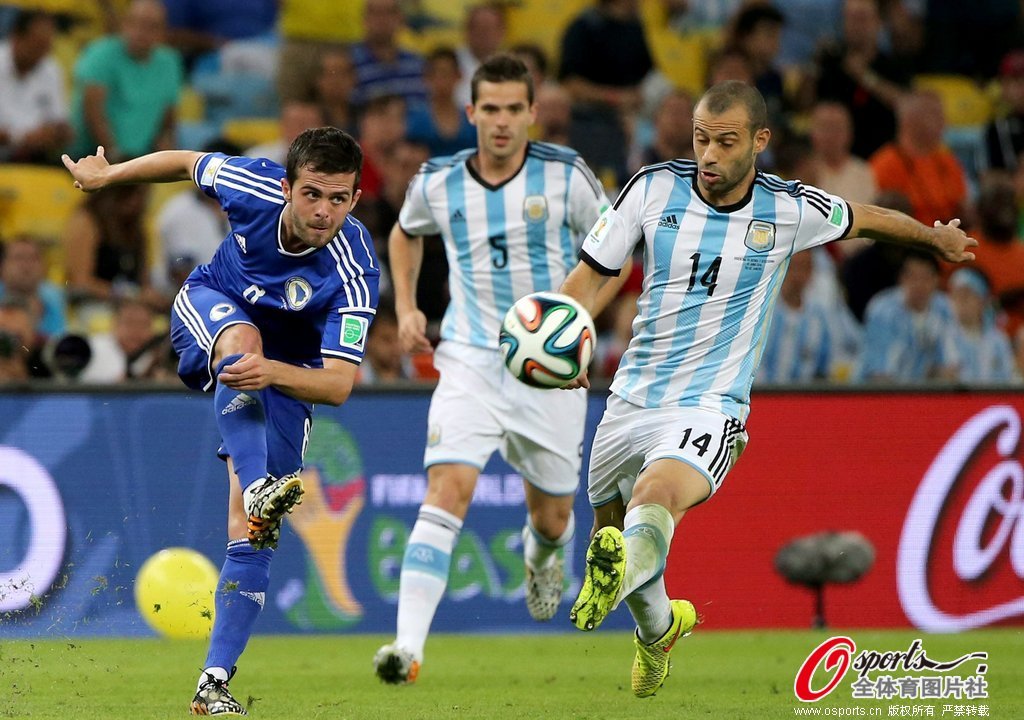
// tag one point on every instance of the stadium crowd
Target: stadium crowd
(916, 105)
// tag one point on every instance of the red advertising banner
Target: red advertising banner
(935, 482)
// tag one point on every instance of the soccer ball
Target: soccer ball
(174, 593)
(547, 339)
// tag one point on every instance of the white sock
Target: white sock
(424, 575)
(218, 672)
(648, 534)
(651, 609)
(250, 491)
(537, 549)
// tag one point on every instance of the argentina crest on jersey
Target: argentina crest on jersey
(760, 236)
(297, 293)
(535, 208)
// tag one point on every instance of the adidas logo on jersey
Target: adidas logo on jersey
(670, 222)
(457, 216)
(238, 402)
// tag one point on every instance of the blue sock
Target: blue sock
(243, 428)
(241, 592)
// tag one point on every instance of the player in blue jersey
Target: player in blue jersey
(718, 236)
(511, 214)
(273, 324)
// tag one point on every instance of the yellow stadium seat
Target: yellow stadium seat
(35, 200)
(190, 105)
(246, 132)
(964, 102)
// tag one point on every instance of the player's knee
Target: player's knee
(450, 487)
(550, 521)
(237, 340)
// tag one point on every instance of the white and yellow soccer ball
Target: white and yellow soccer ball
(547, 339)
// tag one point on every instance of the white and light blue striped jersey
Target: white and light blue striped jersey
(504, 241)
(307, 305)
(798, 347)
(711, 277)
(908, 346)
(985, 356)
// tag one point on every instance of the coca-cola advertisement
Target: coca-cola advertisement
(934, 482)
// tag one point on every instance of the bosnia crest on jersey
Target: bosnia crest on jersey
(535, 208)
(297, 292)
(760, 236)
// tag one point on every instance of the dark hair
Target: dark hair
(325, 150)
(725, 95)
(922, 256)
(502, 67)
(752, 16)
(442, 53)
(25, 19)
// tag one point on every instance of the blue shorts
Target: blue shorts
(198, 317)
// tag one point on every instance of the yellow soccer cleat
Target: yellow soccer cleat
(651, 663)
(606, 566)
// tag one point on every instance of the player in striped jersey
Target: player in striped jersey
(274, 323)
(718, 236)
(512, 215)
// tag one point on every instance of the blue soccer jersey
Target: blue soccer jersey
(307, 305)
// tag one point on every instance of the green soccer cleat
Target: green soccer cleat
(606, 566)
(651, 664)
(268, 504)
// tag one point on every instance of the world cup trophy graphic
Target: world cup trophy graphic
(335, 494)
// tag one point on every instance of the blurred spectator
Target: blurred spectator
(385, 363)
(918, 165)
(604, 60)
(294, 119)
(838, 171)
(554, 114)
(756, 32)
(131, 351)
(1018, 353)
(535, 60)
(859, 75)
(23, 279)
(379, 213)
(485, 35)
(798, 347)
(16, 341)
(729, 64)
(126, 88)
(441, 124)
(614, 339)
(1001, 254)
(33, 101)
(910, 329)
(1004, 136)
(810, 25)
(382, 125)
(673, 131)
(191, 226)
(876, 266)
(335, 85)
(308, 29)
(382, 67)
(198, 29)
(983, 349)
(970, 38)
(106, 252)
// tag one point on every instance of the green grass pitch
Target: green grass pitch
(728, 675)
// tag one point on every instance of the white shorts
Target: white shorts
(478, 407)
(630, 438)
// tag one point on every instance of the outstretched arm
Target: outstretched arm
(947, 241)
(93, 172)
